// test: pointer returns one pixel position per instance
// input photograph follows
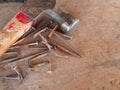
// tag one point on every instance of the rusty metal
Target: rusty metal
(19, 76)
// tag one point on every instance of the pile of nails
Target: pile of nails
(45, 40)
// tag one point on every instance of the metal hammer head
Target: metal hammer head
(66, 26)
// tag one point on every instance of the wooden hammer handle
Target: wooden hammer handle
(16, 27)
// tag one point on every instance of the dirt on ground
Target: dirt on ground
(98, 40)
(8, 10)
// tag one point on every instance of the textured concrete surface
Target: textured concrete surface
(98, 40)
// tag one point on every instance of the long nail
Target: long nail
(35, 62)
(34, 44)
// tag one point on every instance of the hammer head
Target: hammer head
(66, 22)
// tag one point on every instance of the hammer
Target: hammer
(22, 22)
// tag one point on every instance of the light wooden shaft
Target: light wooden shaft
(11, 33)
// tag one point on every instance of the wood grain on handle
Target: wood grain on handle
(17, 26)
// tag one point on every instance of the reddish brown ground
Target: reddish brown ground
(98, 40)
